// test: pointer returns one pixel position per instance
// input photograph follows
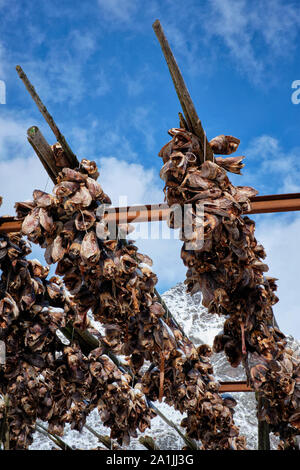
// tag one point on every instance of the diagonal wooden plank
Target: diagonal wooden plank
(43, 151)
(49, 119)
(188, 108)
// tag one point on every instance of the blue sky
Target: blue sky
(98, 67)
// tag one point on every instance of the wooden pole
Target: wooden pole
(49, 119)
(189, 442)
(168, 313)
(4, 426)
(188, 108)
(53, 437)
(43, 151)
(148, 442)
(88, 342)
(105, 440)
(263, 426)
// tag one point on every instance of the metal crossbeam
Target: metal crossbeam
(235, 387)
(158, 212)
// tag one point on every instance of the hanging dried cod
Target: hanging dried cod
(44, 379)
(105, 274)
(225, 263)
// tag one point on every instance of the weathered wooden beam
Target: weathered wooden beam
(105, 440)
(4, 423)
(73, 162)
(189, 442)
(53, 437)
(148, 442)
(88, 342)
(43, 151)
(263, 427)
(188, 108)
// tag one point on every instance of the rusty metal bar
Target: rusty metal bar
(157, 212)
(10, 224)
(275, 203)
(235, 387)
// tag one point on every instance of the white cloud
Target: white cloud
(37, 34)
(141, 121)
(186, 44)
(57, 77)
(117, 144)
(18, 178)
(280, 236)
(57, 80)
(20, 169)
(135, 85)
(103, 85)
(133, 180)
(84, 43)
(243, 25)
(13, 140)
(128, 137)
(270, 168)
(2, 62)
(118, 10)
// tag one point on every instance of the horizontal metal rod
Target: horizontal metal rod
(275, 203)
(157, 212)
(235, 387)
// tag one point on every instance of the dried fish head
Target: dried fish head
(224, 144)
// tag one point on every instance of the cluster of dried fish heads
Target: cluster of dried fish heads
(108, 276)
(225, 263)
(43, 378)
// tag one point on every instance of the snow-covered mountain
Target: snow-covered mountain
(201, 327)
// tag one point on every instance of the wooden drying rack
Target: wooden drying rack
(146, 213)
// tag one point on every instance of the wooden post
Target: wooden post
(193, 122)
(4, 426)
(148, 442)
(191, 444)
(88, 342)
(263, 426)
(105, 440)
(49, 119)
(53, 437)
(43, 151)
